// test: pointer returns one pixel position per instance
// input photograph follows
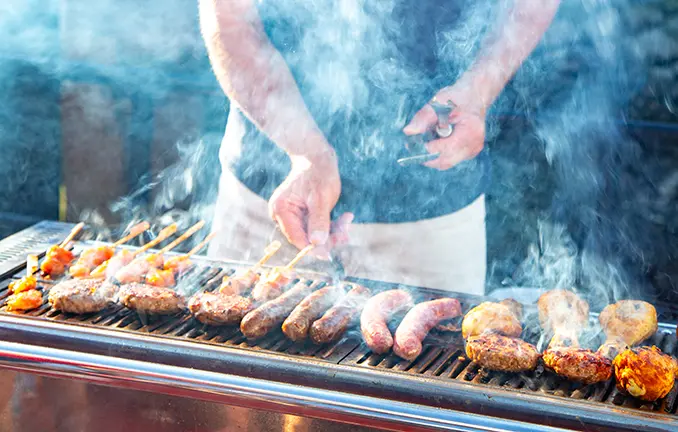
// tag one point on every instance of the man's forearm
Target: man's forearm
(256, 78)
(518, 31)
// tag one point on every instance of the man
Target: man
(320, 94)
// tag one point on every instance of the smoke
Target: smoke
(566, 207)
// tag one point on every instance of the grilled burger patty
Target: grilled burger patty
(219, 309)
(151, 299)
(502, 353)
(82, 296)
(578, 364)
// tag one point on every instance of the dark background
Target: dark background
(101, 99)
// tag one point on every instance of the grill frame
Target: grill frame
(350, 376)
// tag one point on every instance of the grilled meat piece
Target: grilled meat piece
(160, 278)
(26, 283)
(264, 318)
(501, 353)
(151, 299)
(564, 314)
(626, 323)
(24, 301)
(407, 343)
(375, 316)
(81, 296)
(91, 259)
(312, 307)
(272, 284)
(578, 364)
(135, 271)
(239, 283)
(219, 309)
(56, 260)
(645, 373)
(491, 317)
(178, 264)
(340, 316)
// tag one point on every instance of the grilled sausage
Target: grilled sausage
(262, 319)
(219, 309)
(336, 320)
(418, 322)
(378, 310)
(151, 299)
(81, 296)
(297, 324)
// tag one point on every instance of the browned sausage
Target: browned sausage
(418, 322)
(262, 319)
(297, 324)
(378, 310)
(336, 320)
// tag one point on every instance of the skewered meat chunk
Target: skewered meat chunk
(24, 301)
(645, 373)
(375, 316)
(272, 284)
(407, 343)
(26, 283)
(340, 316)
(178, 264)
(109, 268)
(160, 278)
(578, 364)
(150, 299)
(219, 309)
(90, 259)
(239, 283)
(137, 269)
(491, 317)
(626, 323)
(564, 314)
(56, 260)
(501, 353)
(297, 324)
(81, 296)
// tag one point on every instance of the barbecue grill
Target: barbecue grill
(341, 383)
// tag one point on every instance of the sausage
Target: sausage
(297, 324)
(336, 320)
(262, 319)
(418, 322)
(378, 310)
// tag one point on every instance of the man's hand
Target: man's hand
(468, 137)
(301, 205)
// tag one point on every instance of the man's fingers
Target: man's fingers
(339, 230)
(318, 228)
(292, 227)
(421, 122)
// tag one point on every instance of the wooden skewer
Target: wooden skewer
(133, 232)
(192, 230)
(31, 264)
(302, 253)
(268, 254)
(74, 232)
(200, 245)
(162, 235)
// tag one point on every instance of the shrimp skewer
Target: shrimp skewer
(174, 266)
(244, 280)
(271, 285)
(58, 257)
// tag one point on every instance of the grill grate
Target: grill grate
(443, 357)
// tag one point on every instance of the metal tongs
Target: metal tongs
(416, 144)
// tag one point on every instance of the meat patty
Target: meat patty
(151, 299)
(502, 353)
(645, 373)
(81, 296)
(219, 309)
(578, 364)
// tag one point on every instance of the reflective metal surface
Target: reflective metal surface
(252, 394)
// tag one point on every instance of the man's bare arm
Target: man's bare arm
(256, 78)
(518, 31)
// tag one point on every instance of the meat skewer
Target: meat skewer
(25, 295)
(297, 324)
(136, 270)
(407, 343)
(564, 313)
(58, 257)
(109, 268)
(492, 333)
(174, 267)
(242, 281)
(93, 257)
(374, 318)
(338, 318)
(263, 319)
(272, 284)
(227, 306)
